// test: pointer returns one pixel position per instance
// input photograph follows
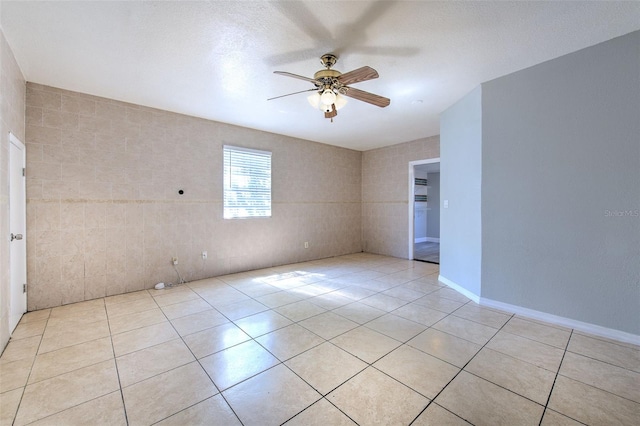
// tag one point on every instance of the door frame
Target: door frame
(21, 308)
(412, 198)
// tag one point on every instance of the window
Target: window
(247, 183)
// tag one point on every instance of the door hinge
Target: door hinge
(23, 172)
(24, 288)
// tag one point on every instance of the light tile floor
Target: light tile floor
(360, 339)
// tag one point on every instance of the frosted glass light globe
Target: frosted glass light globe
(328, 97)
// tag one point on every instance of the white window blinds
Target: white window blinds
(247, 183)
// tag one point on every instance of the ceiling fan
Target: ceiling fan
(332, 86)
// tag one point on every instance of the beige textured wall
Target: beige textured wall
(12, 95)
(103, 210)
(385, 194)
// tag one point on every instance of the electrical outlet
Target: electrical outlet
(174, 260)
(204, 255)
(306, 244)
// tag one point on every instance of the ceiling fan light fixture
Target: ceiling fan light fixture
(340, 101)
(314, 100)
(332, 86)
(328, 97)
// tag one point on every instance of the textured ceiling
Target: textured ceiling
(215, 59)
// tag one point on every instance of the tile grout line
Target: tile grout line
(589, 384)
(61, 374)
(621, 344)
(24, 389)
(604, 362)
(283, 362)
(456, 375)
(115, 362)
(513, 357)
(555, 379)
(367, 363)
(336, 387)
(198, 360)
(171, 369)
(496, 350)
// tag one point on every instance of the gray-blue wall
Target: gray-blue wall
(460, 180)
(561, 148)
(560, 185)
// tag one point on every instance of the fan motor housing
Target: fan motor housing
(322, 74)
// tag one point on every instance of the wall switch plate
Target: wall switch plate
(446, 204)
(306, 244)
(174, 260)
(204, 255)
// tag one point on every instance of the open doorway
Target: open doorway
(424, 210)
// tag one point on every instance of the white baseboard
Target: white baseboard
(426, 239)
(459, 289)
(585, 327)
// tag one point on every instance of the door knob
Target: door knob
(16, 237)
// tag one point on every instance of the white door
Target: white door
(17, 228)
